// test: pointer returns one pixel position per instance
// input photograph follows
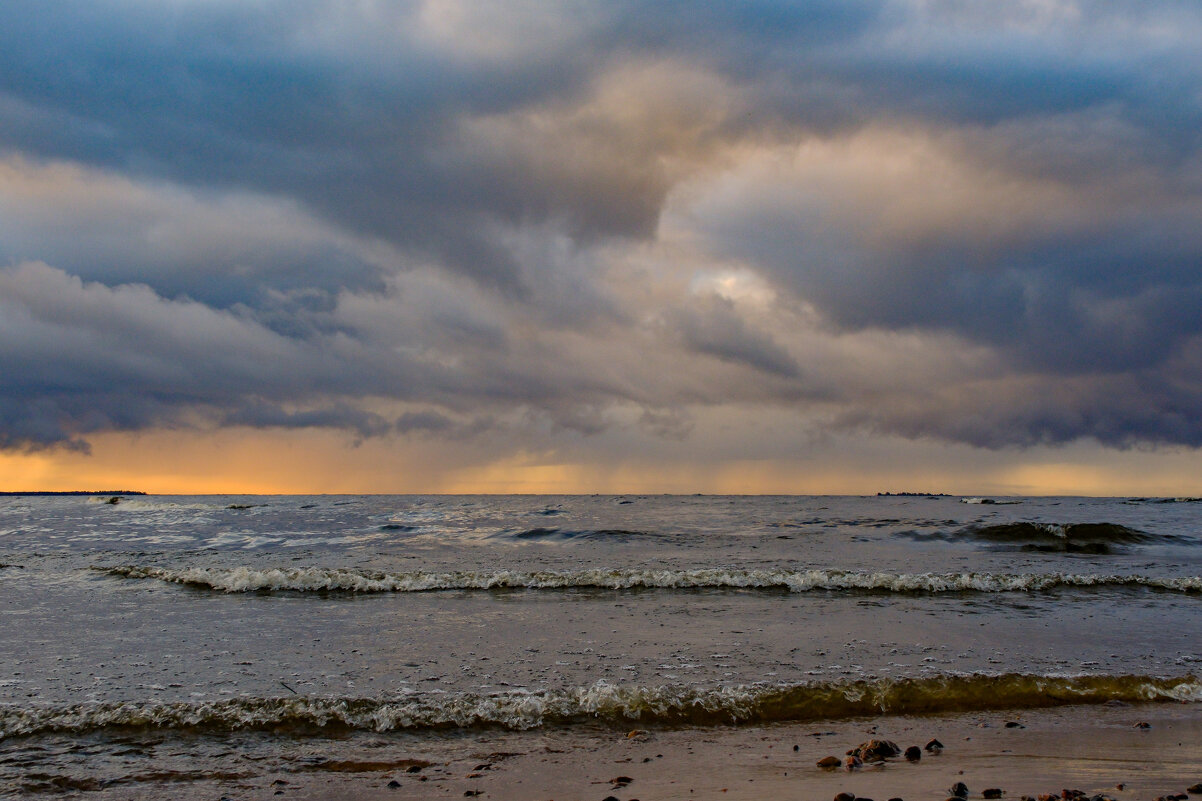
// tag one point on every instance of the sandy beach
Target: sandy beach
(1094, 749)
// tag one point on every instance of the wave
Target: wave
(609, 703)
(320, 579)
(1097, 538)
(607, 534)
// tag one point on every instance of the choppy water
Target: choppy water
(290, 617)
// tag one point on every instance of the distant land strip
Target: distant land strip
(76, 492)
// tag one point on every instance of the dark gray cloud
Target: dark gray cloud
(426, 217)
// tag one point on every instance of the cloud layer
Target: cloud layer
(976, 223)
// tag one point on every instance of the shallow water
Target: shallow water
(419, 616)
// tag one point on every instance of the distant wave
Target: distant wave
(1098, 538)
(609, 534)
(321, 579)
(615, 704)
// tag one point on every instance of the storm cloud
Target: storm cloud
(975, 223)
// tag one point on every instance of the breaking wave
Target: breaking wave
(609, 703)
(319, 579)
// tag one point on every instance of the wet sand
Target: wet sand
(1094, 749)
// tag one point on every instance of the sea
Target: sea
(162, 646)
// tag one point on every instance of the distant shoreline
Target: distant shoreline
(75, 492)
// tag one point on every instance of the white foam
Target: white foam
(522, 709)
(317, 579)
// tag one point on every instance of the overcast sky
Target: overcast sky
(840, 245)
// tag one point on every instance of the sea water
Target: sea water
(187, 641)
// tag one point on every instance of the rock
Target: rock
(845, 797)
(913, 753)
(853, 762)
(1194, 789)
(873, 750)
(609, 798)
(621, 781)
(934, 745)
(959, 790)
(992, 792)
(1048, 797)
(1143, 725)
(414, 769)
(392, 785)
(1072, 795)
(895, 799)
(797, 748)
(1014, 724)
(1178, 797)
(472, 793)
(829, 762)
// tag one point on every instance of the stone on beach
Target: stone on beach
(875, 750)
(992, 792)
(934, 746)
(829, 762)
(845, 797)
(913, 753)
(959, 790)
(1194, 789)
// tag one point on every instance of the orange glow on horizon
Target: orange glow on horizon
(240, 461)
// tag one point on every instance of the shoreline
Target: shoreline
(1094, 749)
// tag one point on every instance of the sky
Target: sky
(837, 246)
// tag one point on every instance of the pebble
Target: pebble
(1195, 789)
(992, 792)
(829, 762)
(1143, 725)
(392, 785)
(913, 753)
(853, 762)
(845, 797)
(959, 790)
(620, 781)
(934, 745)
(1014, 724)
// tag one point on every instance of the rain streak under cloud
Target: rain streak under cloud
(506, 223)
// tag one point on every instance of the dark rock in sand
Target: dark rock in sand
(609, 798)
(895, 799)
(797, 748)
(392, 785)
(829, 762)
(471, 793)
(959, 790)
(1143, 725)
(1014, 724)
(1178, 797)
(414, 769)
(1194, 789)
(874, 750)
(992, 792)
(913, 753)
(845, 797)
(934, 745)
(853, 762)
(621, 781)
(1072, 795)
